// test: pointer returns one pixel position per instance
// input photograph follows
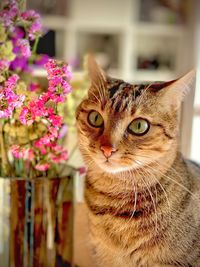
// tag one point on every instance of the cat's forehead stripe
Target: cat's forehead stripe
(125, 89)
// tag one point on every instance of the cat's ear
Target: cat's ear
(95, 73)
(174, 92)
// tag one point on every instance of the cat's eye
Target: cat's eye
(139, 127)
(95, 119)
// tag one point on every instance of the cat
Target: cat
(142, 195)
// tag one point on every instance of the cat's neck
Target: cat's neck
(141, 177)
(122, 196)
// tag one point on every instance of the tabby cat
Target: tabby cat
(143, 197)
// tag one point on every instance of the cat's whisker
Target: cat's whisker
(142, 95)
(154, 176)
(176, 182)
(164, 191)
(98, 100)
(164, 175)
(153, 201)
(103, 87)
(135, 199)
(173, 180)
(96, 86)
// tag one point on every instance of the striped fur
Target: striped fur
(144, 201)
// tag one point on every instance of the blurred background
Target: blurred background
(136, 40)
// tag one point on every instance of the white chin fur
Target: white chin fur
(114, 170)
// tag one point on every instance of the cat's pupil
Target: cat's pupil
(139, 125)
(96, 118)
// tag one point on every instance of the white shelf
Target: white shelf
(108, 17)
(144, 28)
(55, 22)
(153, 75)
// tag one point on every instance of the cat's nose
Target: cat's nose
(108, 150)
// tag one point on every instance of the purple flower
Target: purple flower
(41, 60)
(23, 47)
(35, 30)
(30, 15)
(8, 99)
(17, 33)
(35, 27)
(20, 64)
(9, 13)
(63, 131)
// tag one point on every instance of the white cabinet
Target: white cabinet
(136, 40)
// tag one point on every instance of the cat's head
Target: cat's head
(123, 126)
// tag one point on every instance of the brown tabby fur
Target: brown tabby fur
(144, 202)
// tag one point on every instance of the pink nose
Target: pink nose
(108, 150)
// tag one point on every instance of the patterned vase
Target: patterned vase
(36, 222)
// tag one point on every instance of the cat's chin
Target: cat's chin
(109, 168)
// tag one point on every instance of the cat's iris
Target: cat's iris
(139, 127)
(95, 119)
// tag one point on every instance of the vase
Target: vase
(36, 222)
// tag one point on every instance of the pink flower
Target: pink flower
(30, 154)
(44, 98)
(26, 116)
(33, 86)
(58, 154)
(55, 68)
(17, 152)
(56, 98)
(42, 166)
(58, 76)
(82, 170)
(53, 133)
(39, 144)
(37, 108)
(10, 83)
(6, 113)
(4, 65)
(56, 120)
(25, 153)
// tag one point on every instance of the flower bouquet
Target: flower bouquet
(35, 187)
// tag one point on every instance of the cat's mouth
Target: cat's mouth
(111, 165)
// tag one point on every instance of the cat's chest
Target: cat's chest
(122, 242)
(123, 234)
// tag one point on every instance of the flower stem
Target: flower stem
(3, 152)
(22, 4)
(35, 46)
